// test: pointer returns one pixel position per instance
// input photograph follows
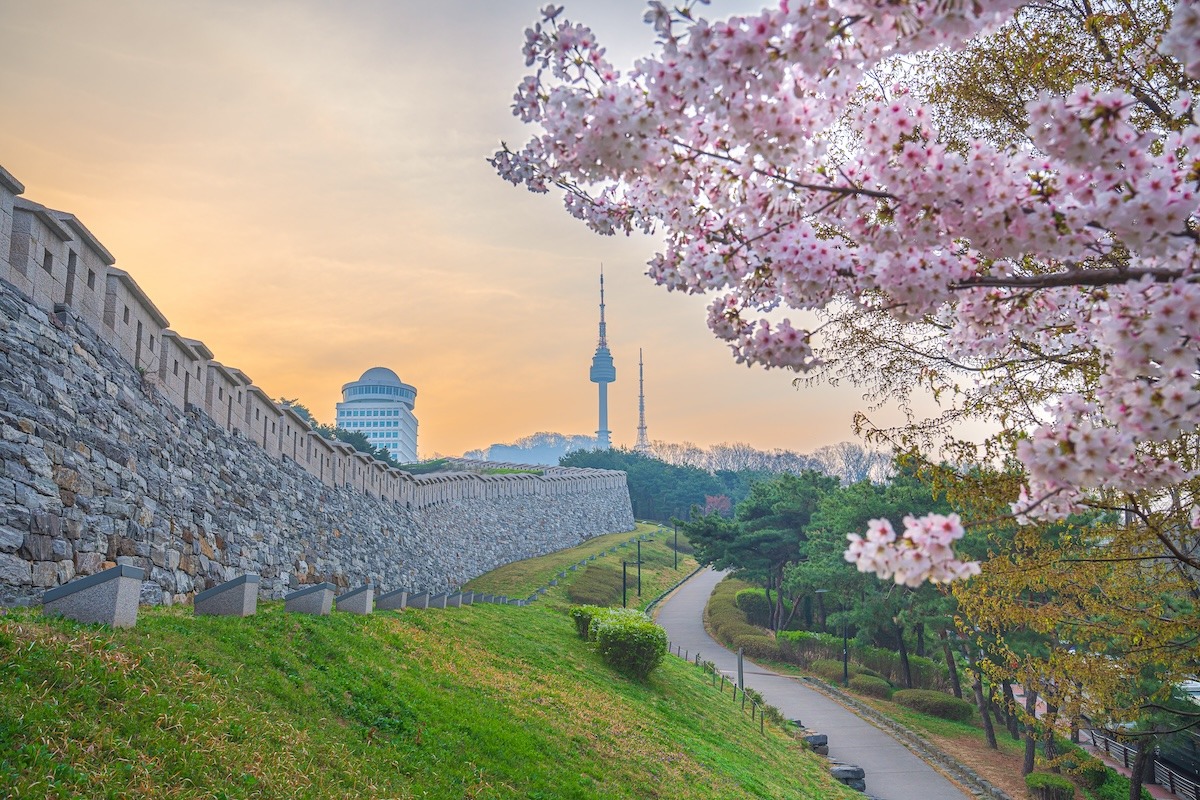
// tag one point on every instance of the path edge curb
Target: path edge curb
(922, 747)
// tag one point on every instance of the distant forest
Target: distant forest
(669, 481)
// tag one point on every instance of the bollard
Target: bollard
(743, 701)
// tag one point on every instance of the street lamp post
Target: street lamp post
(639, 567)
(845, 641)
(676, 525)
(624, 564)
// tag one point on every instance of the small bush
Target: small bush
(868, 672)
(1082, 764)
(628, 641)
(729, 631)
(871, 686)
(828, 669)
(753, 603)
(1116, 787)
(935, 704)
(757, 645)
(1048, 786)
(582, 615)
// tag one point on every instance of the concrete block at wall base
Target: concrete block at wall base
(316, 599)
(554, 581)
(562, 574)
(110, 597)
(357, 601)
(468, 598)
(574, 567)
(235, 598)
(392, 601)
(437, 600)
(419, 600)
(454, 600)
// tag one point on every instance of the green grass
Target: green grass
(479, 702)
(601, 578)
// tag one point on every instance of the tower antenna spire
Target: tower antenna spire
(603, 373)
(603, 327)
(643, 443)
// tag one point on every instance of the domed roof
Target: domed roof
(381, 375)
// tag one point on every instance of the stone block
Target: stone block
(235, 598)
(10, 539)
(110, 597)
(419, 600)
(817, 739)
(357, 601)
(437, 601)
(454, 600)
(468, 598)
(14, 571)
(38, 547)
(316, 599)
(848, 772)
(392, 601)
(554, 581)
(88, 563)
(45, 573)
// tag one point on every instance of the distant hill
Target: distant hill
(540, 448)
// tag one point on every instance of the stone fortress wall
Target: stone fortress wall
(122, 441)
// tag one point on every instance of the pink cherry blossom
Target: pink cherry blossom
(780, 179)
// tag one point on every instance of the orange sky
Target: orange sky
(302, 186)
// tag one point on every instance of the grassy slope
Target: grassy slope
(478, 702)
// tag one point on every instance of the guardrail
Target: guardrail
(1173, 781)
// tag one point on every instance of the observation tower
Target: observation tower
(603, 373)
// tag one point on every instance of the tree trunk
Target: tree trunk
(921, 639)
(1145, 754)
(951, 664)
(982, 703)
(1031, 696)
(1049, 745)
(904, 665)
(1010, 712)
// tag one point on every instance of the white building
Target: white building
(381, 406)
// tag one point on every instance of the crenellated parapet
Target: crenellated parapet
(53, 259)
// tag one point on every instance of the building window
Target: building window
(152, 343)
(125, 316)
(91, 279)
(175, 369)
(256, 415)
(48, 261)
(220, 393)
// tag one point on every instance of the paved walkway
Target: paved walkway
(893, 772)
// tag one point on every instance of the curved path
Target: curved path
(893, 772)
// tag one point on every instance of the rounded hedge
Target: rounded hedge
(757, 645)
(628, 641)
(871, 686)
(828, 669)
(1048, 786)
(753, 603)
(935, 704)
(582, 616)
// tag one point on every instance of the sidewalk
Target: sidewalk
(893, 772)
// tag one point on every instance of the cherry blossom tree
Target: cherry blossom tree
(783, 176)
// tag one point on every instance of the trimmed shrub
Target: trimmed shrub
(1116, 787)
(1082, 764)
(753, 603)
(935, 704)
(871, 686)
(828, 669)
(757, 645)
(1048, 786)
(628, 641)
(596, 585)
(732, 630)
(868, 672)
(582, 615)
